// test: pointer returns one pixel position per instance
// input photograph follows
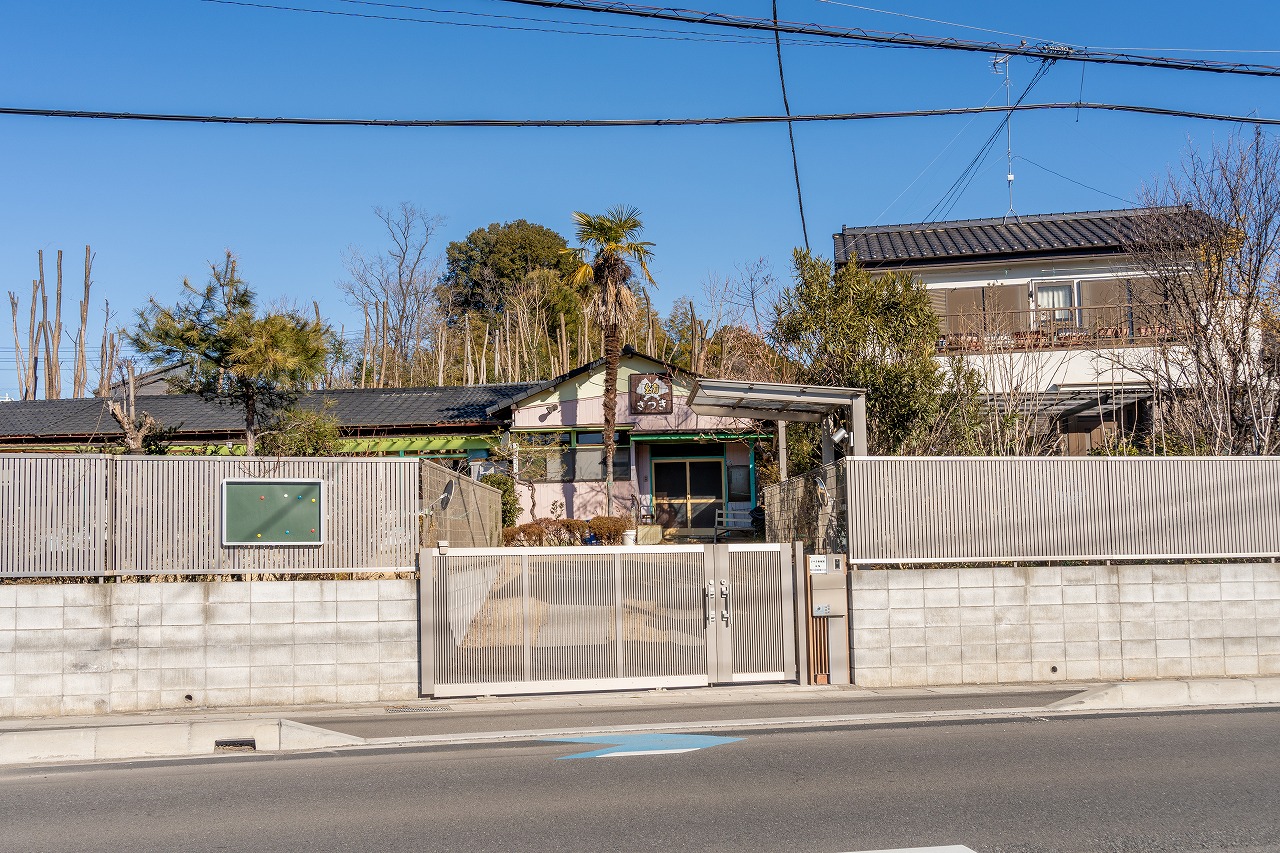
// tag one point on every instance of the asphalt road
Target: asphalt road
(1178, 782)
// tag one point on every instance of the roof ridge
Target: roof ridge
(1023, 219)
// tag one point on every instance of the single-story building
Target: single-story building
(673, 467)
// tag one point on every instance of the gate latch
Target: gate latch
(724, 593)
(709, 603)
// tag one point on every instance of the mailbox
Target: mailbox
(829, 596)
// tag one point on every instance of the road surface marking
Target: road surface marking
(647, 744)
(953, 848)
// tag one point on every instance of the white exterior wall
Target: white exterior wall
(926, 627)
(1046, 369)
(102, 648)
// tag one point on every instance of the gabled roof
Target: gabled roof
(537, 388)
(368, 409)
(1097, 232)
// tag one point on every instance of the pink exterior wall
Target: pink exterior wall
(589, 411)
(579, 404)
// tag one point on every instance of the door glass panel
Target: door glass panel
(670, 480)
(706, 480)
(670, 494)
(704, 512)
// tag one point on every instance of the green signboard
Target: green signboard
(272, 512)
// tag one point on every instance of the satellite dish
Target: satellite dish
(446, 496)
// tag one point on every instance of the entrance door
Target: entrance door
(687, 492)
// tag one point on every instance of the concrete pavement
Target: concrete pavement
(425, 723)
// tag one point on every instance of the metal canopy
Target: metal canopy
(1067, 402)
(769, 401)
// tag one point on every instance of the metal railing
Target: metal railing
(145, 515)
(1038, 509)
(1079, 327)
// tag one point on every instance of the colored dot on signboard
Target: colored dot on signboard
(259, 535)
(313, 530)
(262, 497)
(313, 500)
(299, 497)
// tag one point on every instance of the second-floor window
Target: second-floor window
(1055, 302)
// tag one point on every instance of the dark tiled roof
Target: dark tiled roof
(359, 410)
(524, 392)
(1098, 232)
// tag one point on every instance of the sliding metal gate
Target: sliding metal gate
(540, 620)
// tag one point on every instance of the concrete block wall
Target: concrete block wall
(69, 649)
(924, 627)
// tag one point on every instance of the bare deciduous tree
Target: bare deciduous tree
(137, 427)
(1208, 245)
(45, 334)
(395, 290)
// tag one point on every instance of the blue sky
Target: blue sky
(158, 201)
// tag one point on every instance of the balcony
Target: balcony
(1081, 328)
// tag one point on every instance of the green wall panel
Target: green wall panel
(272, 512)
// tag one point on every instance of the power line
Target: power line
(932, 20)
(791, 133)
(186, 118)
(1044, 51)
(692, 36)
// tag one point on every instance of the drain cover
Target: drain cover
(416, 709)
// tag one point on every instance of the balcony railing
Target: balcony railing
(1087, 327)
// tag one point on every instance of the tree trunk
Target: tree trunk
(251, 427)
(612, 355)
(80, 380)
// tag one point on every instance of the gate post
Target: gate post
(426, 622)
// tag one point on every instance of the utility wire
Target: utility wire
(791, 133)
(931, 20)
(638, 122)
(957, 189)
(1044, 51)
(1073, 180)
(642, 32)
(944, 150)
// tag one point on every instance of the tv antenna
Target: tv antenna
(1000, 65)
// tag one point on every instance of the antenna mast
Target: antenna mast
(998, 64)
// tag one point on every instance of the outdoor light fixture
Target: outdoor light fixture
(840, 435)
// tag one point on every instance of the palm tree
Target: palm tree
(607, 250)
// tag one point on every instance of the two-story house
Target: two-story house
(1050, 308)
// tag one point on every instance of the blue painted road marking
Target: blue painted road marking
(648, 744)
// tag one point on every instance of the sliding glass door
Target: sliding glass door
(687, 492)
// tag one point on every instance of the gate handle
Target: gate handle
(724, 593)
(709, 603)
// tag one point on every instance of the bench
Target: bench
(732, 520)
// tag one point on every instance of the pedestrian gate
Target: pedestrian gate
(540, 620)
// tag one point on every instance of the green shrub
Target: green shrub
(608, 529)
(510, 500)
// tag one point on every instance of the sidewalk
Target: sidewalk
(426, 722)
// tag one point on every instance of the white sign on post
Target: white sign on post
(817, 564)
